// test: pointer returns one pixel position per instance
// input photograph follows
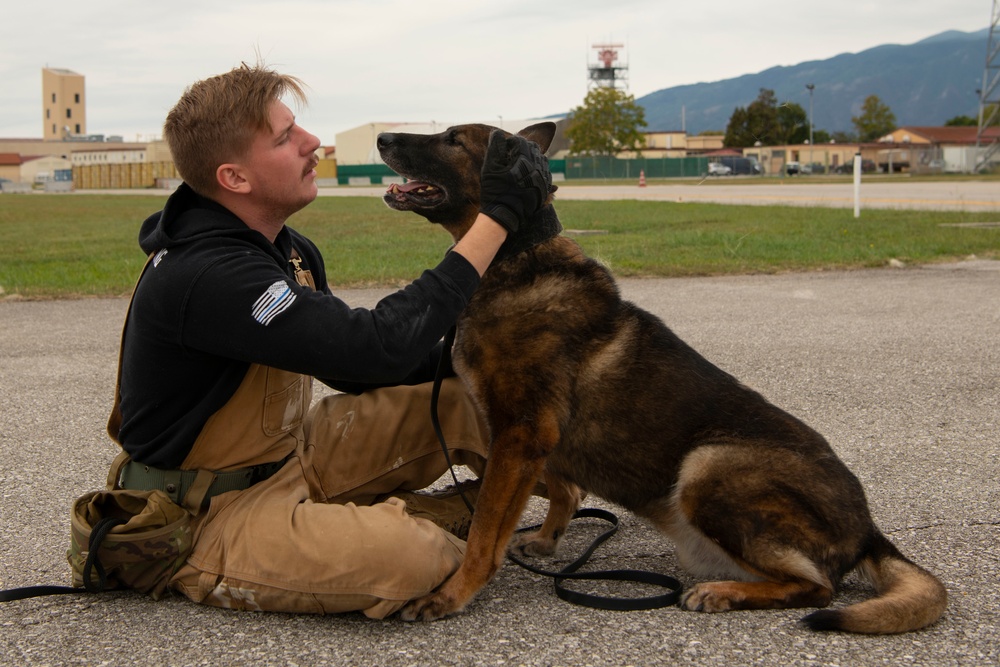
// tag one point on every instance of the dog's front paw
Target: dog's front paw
(430, 608)
(708, 597)
(534, 544)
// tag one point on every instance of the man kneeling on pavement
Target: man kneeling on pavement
(311, 510)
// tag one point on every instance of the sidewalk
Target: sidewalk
(900, 369)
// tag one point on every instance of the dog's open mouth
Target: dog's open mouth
(413, 194)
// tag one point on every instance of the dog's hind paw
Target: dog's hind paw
(429, 608)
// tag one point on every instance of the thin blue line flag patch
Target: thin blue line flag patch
(274, 301)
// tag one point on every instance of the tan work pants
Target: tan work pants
(310, 539)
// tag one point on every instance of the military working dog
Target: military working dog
(590, 393)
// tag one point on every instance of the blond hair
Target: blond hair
(216, 119)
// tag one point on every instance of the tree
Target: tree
(961, 121)
(793, 124)
(606, 123)
(756, 122)
(876, 119)
(738, 133)
(767, 122)
(989, 111)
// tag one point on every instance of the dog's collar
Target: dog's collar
(544, 226)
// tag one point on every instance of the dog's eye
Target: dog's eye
(452, 138)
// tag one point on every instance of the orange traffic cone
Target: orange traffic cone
(642, 178)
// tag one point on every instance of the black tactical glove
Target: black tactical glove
(515, 180)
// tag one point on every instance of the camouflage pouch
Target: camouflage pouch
(128, 539)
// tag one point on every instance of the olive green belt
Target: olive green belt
(176, 483)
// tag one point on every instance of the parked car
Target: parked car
(793, 168)
(741, 165)
(867, 167)
(719, 169)
(814, 168)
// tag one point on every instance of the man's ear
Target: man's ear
(231, 178)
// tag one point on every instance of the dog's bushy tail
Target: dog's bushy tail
(908, 596)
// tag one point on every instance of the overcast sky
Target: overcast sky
(447, 61)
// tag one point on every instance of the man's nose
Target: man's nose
(312, 142)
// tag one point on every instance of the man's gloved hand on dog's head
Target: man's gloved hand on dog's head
(516, 180)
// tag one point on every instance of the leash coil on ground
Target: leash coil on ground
(571, 571)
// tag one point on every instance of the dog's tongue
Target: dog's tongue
(408, 186)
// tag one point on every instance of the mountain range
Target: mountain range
(925, 83)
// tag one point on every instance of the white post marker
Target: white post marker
(857, 185)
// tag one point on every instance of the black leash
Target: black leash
(570, 571)
(92, 564)
(600, 601)
(443, 363)
(12, 594)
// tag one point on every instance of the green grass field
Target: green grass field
(57, 246)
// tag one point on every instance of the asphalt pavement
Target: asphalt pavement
(897, 367)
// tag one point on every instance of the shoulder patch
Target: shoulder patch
(275, 300)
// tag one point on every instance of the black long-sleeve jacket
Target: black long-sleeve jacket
(219, 296)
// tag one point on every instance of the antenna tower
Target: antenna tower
(608, 71)
(988, 143)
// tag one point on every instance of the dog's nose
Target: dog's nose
(384, 140)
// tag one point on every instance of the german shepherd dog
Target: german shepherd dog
(589, 393)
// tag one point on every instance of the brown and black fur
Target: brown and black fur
(592, 394)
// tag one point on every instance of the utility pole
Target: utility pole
(987, 142)
(810, 87)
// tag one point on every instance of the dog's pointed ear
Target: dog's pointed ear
(540, 133)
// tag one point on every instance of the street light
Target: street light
(810, 87)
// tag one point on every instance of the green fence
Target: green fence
(572, 167)
(373, 172)
(609, 167)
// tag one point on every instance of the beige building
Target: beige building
(704, 143)
(99, 154)
(21, 174)
(64, 104)
(676, 143)
(932, 149)
(821, 158)
(357, 146)
(29, 147)
(910, 149)
(10, 166)
(38, 168)
(16, 156)
(664, 144)
(44, 169)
